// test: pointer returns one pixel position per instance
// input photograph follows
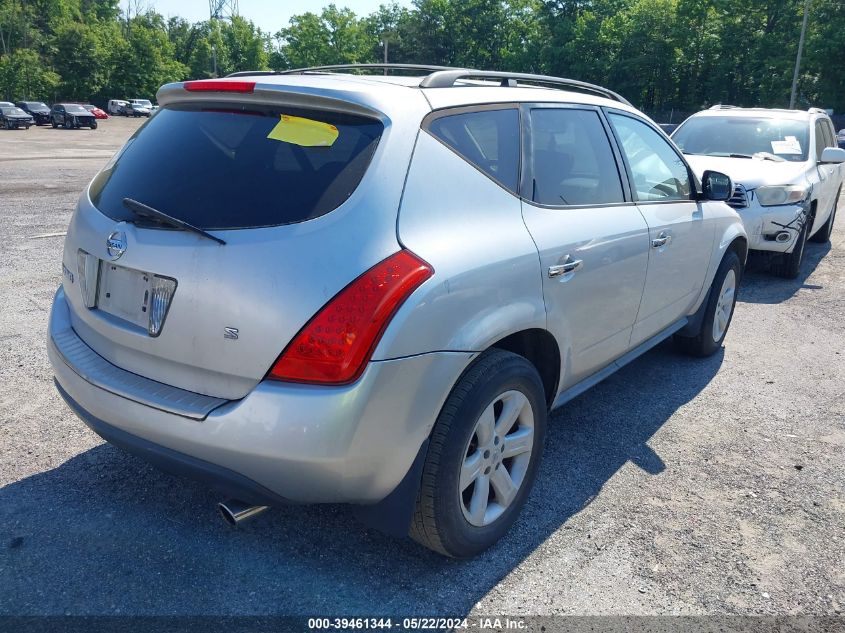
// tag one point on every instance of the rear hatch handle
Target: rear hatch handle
(143, 211)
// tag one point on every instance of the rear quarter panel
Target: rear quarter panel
(487, 280)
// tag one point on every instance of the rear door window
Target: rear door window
(230, 168)
(488, 139)
(572, 162)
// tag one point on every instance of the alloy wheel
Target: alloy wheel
(724, 306)
(496, 458)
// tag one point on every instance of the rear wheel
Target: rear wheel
(719, 311)
(788, 265)
(822, 236)
(482, 457)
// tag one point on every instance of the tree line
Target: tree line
(660, 54)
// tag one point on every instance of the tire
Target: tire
(822, 236)
(94, 125)
(68, 124)
(54, 124)
(8, 125)
(788, 265)
(463, 523)
(719, 312)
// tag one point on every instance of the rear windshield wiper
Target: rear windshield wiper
(143, 211)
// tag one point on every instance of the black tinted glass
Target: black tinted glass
(572, 162)
(489, 139)
(221, 168)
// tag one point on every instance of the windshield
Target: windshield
(74, 109)
(743, 137)
(33, 105)
(266, 166)
(142, 102)
(12, 111)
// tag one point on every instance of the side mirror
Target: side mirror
(832, 156)
(716, 186)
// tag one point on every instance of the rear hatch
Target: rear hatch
(303, 196)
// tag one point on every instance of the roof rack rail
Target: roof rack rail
(446, 78)
(817, 110)
(384, 67)
(247, 73)
(723, 106)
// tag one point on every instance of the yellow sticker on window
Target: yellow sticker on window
(304, 132)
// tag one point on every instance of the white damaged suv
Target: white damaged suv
(786, 168)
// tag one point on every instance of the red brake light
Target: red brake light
(216, 85)
(336, 344)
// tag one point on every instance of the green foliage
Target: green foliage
(661, 54)
(23, 75)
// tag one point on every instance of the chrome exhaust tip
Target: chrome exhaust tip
(235, 512)
(783, 237)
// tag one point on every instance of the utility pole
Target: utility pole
(219, 10)
(384, 44)
(793, 95)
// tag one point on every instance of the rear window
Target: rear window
(224, 168)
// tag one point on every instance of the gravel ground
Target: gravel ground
(677, 486)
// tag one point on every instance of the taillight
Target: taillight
(336, 344)
(216, 85)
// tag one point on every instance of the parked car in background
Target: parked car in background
(98, 114)
(840, 138)
(13, 118)
(546, 257)
(115, 106)
(6, 104)
(138, 107)
(72, 115)
(669, 127)
(786, 168)
(39, 111)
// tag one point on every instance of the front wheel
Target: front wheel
(719, 311)
(55, 125)
(788, 265)
(822, 236)
(482, 457)
(94, 125)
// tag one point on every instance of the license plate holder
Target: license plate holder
(125, 293)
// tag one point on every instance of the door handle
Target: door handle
(567, 267)
(662, 239)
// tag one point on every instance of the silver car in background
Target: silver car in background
(327, 287)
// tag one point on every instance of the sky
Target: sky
(268, 15)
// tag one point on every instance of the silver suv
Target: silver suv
(317, 286)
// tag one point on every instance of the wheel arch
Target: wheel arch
(539, 347)
(740, 246)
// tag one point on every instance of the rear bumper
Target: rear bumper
(282, 442)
